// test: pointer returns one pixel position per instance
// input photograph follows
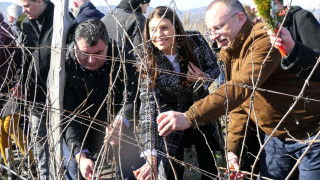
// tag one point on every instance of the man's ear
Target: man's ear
(242, 18)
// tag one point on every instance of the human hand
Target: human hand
(113, 133)
(284, 39)
(16, 90)
(171, 121)
(194, 73)
(85, 165)
(145, 172)
(233, 160)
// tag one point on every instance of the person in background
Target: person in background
(37, 30)
(305, 30)
(84, 10)
(98, 73)
(177, 67)
(301, 59)
(9, 121)
(13, 12)
(246, 53)
(129, 13)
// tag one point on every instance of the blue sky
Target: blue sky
(190, 4)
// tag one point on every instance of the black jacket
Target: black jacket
(101, 93)
(133, 23)
(88, 11)
(305, 30)
(38, 33)
(301, 61)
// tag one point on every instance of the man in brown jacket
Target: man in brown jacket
(248, 65)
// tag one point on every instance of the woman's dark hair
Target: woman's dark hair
(184, 45)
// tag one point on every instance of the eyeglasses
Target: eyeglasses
(213, 31)
(84, 56)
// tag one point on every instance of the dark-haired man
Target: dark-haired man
(100, 89)
(129, 13)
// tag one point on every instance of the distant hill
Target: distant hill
(105, 9)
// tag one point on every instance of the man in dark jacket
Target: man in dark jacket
(301, 59)
(37, 31)
(130, 16)
(84, 9)
(305, 31)
(100, 88)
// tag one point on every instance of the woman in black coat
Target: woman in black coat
(174, 76)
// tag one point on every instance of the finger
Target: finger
(167, 130)
(136, 172)
(194, 67)
(146, 173)
(236, 166)
(191, 70)
(141, 173)
(163, 123)
(161, 116)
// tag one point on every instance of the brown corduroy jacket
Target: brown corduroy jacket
(245, 62)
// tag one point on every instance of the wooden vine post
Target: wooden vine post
(61, 24)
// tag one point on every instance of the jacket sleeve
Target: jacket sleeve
(308, 29)
(214, 105)
(130, 83)
(138, 31)
(73, 128)
(236, 130)
(301, 61)
(148, 114)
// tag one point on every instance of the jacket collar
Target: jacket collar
(289, 18)
(124, 4)
(86, 5)
(46, 13)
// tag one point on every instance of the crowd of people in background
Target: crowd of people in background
(125, 69)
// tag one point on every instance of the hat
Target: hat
(124, 4)
(142, 1)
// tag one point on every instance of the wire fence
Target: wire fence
(19, 161)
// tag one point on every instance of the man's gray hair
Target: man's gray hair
(92, 31)
(14, 10)
(234, 5)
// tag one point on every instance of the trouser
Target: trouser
(40, 144)
(70, 165)
(9, 125)
(204, 154)
(279, 157)
(130, 159)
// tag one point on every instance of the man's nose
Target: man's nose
(92, 59)
(214, 36)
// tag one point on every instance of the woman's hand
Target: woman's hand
(145, 172)
(194, 73)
